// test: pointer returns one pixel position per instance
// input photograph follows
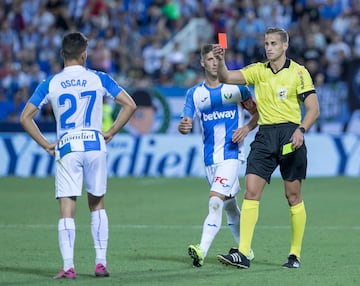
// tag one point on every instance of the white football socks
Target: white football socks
(66, 235)
(100, 234)
(212, 224)
(232, 211)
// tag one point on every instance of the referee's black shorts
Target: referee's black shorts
(266, 153)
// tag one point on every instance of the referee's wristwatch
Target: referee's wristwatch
(302, 129)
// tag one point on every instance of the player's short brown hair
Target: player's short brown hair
(205, 49)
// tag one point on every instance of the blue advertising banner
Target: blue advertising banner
(172, 155)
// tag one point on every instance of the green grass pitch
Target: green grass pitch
(152, 221)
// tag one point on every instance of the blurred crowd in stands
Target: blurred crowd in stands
(126, 38)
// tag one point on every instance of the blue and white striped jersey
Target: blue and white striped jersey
(220, 112)
(76, 95)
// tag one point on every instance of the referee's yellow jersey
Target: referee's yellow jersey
(277, 94)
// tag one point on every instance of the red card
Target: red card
(222, 40)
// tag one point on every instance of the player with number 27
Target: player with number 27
(76, 97)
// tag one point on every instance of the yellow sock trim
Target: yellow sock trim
(248, 219)
(298, 221)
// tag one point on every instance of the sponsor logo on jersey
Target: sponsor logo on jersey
(219, 115)
(301, 75)
(86, 135)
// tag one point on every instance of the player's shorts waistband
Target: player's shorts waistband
(278, 125)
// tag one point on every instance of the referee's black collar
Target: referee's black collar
(286, 65)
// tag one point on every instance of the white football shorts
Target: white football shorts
(78, 168)
(223, 177)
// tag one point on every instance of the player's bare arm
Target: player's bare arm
(312, 113)
(224, 75)
(128, 107)
(27, 121)
(185, 125)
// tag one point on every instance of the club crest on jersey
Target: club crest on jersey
(282, 93)
(228, 96)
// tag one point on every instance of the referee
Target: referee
(281, 87)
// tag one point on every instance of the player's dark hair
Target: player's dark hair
(73, 45)
(205, 49)
(284, 36)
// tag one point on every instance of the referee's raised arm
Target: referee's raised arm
(225, 75)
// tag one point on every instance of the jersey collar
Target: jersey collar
(74, 67)
(286, 65)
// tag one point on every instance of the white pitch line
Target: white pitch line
(145, 226)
